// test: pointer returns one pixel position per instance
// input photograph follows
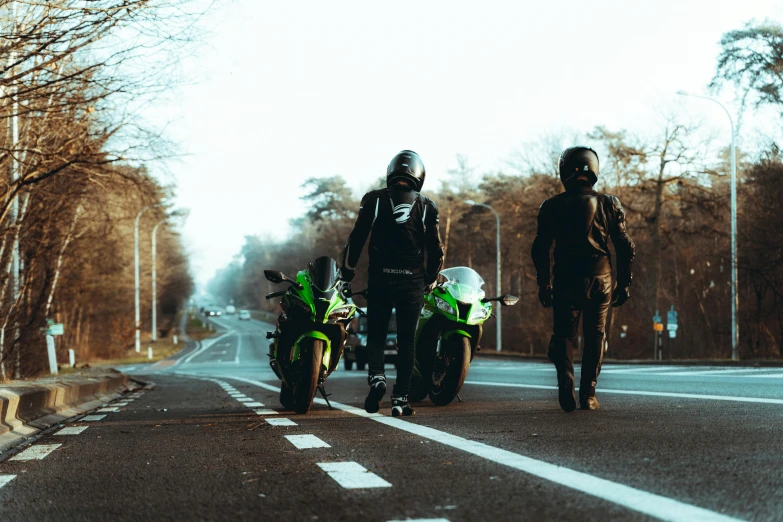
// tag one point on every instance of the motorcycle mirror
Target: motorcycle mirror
(509, 300)
(274, 276)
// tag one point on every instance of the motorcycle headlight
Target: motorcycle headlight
(479, 314)
(340, 313)
(444, 306)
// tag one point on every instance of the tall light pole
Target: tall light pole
(155, 281)
(734, 297)
(136, 282)
(497, 271)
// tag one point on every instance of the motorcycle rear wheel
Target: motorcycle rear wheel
(306, 384)
(446, 385)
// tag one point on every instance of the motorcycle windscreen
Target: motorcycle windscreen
(464, 284)
(324, 276)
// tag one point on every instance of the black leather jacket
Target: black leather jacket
(580, 222)
(403, 229)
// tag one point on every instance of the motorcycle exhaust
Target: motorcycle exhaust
(276, 368)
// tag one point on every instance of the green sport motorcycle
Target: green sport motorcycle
(311, 330)
(449, 333)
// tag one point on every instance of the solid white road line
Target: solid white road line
(266, 412)
(635, 369)
(92, 418)
(108, 410)
(205, 345)
(422, 520)
(626, 496)
(352, 475)
(280, 422)
(721, 371)
(37, 452)
(5, 479)
(306, 441)
(760, 400)
(72, 430)
(766, 376)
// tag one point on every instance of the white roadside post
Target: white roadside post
(52, 354)
(149, 352)
(498, 305)
(734, 296)
(136, 272)
(175, 339)
(155, 281)
(71, 358)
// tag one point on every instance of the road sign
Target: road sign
(672, 334)
(658, 327)
(55, 329)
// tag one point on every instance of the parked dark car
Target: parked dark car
(356, 344)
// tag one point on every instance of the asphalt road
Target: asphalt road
(207, 440)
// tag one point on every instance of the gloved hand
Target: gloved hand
(546, 296)
(346, 274)
(620, 295)
(429, 287)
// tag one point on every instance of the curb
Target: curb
(29, 407)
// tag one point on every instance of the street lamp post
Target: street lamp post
(734, 297)
(155, 281)
(136, 272)
(497, 271)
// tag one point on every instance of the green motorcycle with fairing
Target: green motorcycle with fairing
(449, 333)
(310, 336)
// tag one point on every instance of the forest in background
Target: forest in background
(674, 184)
(76, 162)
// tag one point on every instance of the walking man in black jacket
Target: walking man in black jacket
(580, 222)
(405, 259)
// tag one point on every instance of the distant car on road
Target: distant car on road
(244, 315)
(231, 310)
(357, 344)
(213, 312)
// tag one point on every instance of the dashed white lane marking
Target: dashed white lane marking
(352, 475)
(37, 452)
(634, 499)
(5, 479)
(108, 410)
(120, 404)
(245, 399)
(72, 430)
(92, 418)
(760, 400)
(306, 441)
(266, 412)
(254, 404)
(281, 422)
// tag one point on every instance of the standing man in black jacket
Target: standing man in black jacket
(580, 222)
(405, 259)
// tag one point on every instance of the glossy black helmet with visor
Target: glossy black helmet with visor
(576, 161)
(406, 165)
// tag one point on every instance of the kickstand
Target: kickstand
(325, 395)
(459, 398)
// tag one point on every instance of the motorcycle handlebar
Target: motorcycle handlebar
(276, 294)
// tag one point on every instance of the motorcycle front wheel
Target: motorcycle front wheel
(450, 371)
(286, 397)
(306, 383)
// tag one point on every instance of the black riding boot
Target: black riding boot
(558, 354)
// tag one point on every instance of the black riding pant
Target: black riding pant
(407, 296)
(588, 298)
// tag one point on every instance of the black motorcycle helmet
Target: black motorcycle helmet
(406, 165)
(578, 160)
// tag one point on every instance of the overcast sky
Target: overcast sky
(284, 91)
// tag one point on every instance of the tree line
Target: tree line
(674, 185)
(75, 159)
